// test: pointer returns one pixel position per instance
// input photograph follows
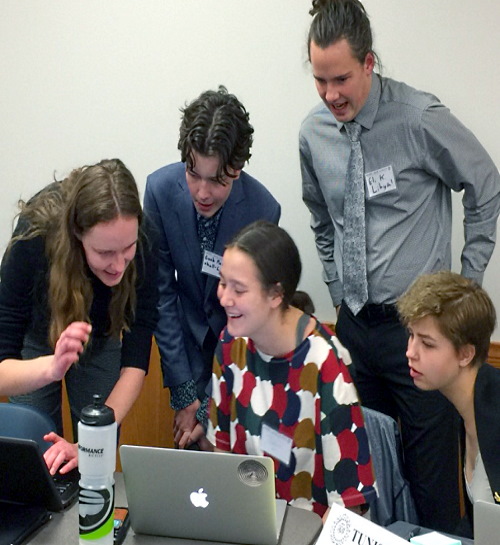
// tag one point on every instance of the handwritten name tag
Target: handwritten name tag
(276, 444)
(380, 181)
(211, 264)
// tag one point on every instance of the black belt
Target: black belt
(382, 312)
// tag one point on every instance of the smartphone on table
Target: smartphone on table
(121, 525)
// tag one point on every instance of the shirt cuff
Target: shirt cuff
(202, 413)
(336, 292)
(473, 275)
(183, 395)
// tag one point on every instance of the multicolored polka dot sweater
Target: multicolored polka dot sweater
(307, 395)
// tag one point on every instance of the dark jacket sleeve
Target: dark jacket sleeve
(23, 269)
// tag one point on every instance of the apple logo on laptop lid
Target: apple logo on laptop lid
(199, 498)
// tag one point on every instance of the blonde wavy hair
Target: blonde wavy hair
(62, 213)
(462, 309)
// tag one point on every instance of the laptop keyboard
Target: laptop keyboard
(61, 485)
(67, 485)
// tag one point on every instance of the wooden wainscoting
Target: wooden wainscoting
(151, 418)
(150, 421)
(494, 355)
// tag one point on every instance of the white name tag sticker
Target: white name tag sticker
(380, 181)
(276, 444)
(211, 264)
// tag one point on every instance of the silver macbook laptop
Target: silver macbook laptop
(207, 496)
(486, 523)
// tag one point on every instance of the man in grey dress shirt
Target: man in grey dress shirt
(415, 152)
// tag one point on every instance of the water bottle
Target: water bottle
(97, 462)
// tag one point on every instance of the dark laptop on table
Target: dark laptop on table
(28, 491)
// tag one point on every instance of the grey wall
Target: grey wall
(81, 81)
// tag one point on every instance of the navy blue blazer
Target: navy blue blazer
(487, 415)
(188, 304)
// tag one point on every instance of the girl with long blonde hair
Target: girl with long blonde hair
(78, 284)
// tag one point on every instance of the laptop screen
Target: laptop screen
(25, 478)
(213, 496)
(486, 523)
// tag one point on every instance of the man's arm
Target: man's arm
(175, 366)
(169, 336)
(321, 223)
(276, 213)
(457, 158)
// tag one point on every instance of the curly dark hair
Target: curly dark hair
(216, 124)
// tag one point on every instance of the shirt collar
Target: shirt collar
(209, 221)
(366, 117)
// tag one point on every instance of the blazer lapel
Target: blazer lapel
(186, 216)
(227, 224)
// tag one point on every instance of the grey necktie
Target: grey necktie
(354, 251)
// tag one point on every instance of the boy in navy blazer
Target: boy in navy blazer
(197, 206)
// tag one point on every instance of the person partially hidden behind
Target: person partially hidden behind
(197, 206)
(279, 386)
(302, 300)
(450, 320)
(78, 299)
